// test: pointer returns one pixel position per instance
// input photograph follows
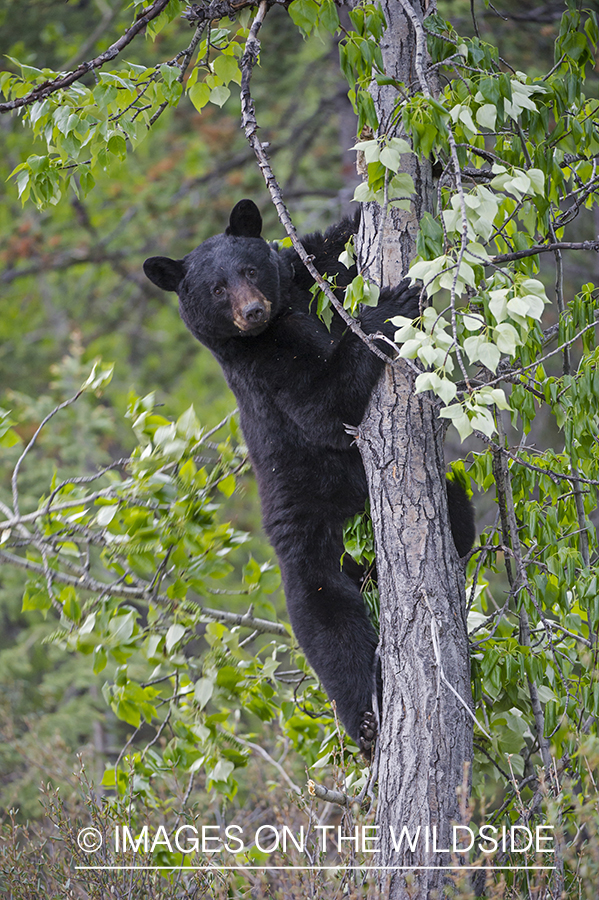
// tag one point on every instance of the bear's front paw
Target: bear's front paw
(368, 733)
(406, 299)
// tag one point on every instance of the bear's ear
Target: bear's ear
(164, 272)
(245, 220)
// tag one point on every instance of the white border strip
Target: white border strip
(309, 868)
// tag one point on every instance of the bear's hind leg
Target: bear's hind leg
(331, 623)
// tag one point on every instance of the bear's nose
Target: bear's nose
(254, 313)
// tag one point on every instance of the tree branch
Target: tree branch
(546, 248)
(323, 793)
(510, 527)
(185, 57)
(269, 759)
(250, 126)
(143, 592)
(50, 87)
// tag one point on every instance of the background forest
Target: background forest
(75, 717)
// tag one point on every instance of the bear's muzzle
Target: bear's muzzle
(251, 309)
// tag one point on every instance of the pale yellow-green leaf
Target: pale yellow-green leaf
(473, 323)
(390, 158)
(219, 95)
(203, 691)
(174, 635)
(486, 116)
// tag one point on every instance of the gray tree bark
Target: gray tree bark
(425, 742)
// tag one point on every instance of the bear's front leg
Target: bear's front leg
(401, 300)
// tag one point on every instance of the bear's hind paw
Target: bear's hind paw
(368, 732)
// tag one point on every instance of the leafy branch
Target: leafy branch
(41, 91)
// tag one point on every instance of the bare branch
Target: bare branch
(547, 248)
(76, 257)
(250, 126)
(269, 759)
(323, 793)
(15, 474)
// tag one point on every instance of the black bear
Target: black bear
(298, 385)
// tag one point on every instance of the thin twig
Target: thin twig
(144, 592)
(21, 459)
(186, 57)
(269, 759)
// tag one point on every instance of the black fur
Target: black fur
(297, 386)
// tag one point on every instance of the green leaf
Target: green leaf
(473, 323)
(99, 377)
(481, 350)
(71, 608)
(8, 437)
(224, 767)
(229, 677)
(459, 419)
(486, 116)
(106, 514)
(117, 145)
(203, 691)
(100, 659)
(329, 17)
(36, 598)
(127, 712)
(304, 14)
(199, 94)
(174, 635)
(121, 626)
(402, 183)
(169, 73)
(370, 149)
(227, 69)
(188, 424)
(251, 571)
(507, 338)
(227, 485)
(390, 158)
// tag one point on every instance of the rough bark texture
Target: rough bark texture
(426, 731)
(387, 238)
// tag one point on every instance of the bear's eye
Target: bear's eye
(218, 290)
(251, 272)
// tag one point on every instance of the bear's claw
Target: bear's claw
(368, 732)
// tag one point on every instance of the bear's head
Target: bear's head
(229, 286)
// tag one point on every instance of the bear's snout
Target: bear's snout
(254, 313)
(251, 310)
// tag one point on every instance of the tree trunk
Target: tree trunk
(426, 730)
(426, 733)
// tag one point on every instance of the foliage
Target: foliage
(127, 557)
(517, 157)
(128, 561)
